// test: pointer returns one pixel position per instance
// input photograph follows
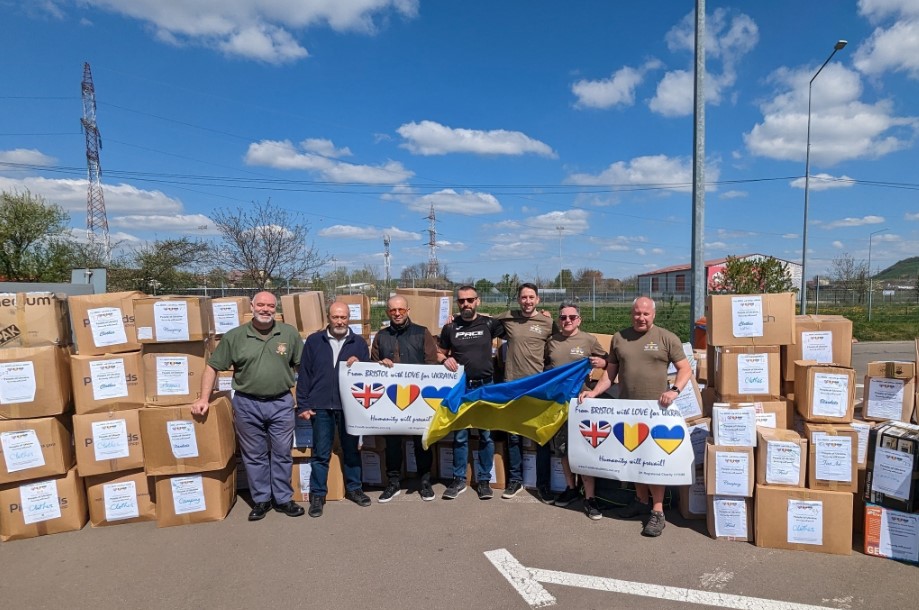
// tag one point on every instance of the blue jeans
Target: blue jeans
(461, 455)
(325, 423)
(514, 458)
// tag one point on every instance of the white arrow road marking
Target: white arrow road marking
(527, 581)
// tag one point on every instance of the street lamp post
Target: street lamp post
(807, 176)
(870, 277)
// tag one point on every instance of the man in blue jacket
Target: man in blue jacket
(318, 400)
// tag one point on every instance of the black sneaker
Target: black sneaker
(655, 525)
(391, 491)
(567, 497)
(358, 497)
(290, 508)
(513, 488)
(634, 509)
(484, 490)
(592, 509)
(455, 488)
(316, 503)
(545, 495)
(426, 492)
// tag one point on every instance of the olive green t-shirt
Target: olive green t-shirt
(526, 343)
(263, 365)
(643, 359)
(561, 350)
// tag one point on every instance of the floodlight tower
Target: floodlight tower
(433, 267)
(386, 259)
(96, 221)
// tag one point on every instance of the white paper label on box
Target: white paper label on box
(529, 469)
(306, 471)
(477, 464)
(172, 375)
(753, 373)
(410, 464)
(831, 395)
(226, 316)
(108, 379)
(182, 438)
(732, 473)
(817, 346)
(144, 333)
(120, 500)
(899, 535)
(833, 458)
(170, 319)
(765, 420)
(734, 427)
(39, 501)
(17, 382)
(697, 435)
(443, 312)
(224, 384)
(864, 430)
(188, 494)
(783, 463)
(698, 502)
(357, 329)
(557, 482)
(885, 398)
(21, 450)
(730, 517)
(110, 439)
(747, 316)
(687, 403)
(805, 522)
(106, 326)
(893, 471)
(371, 473)
(355, 311)
(445, 460)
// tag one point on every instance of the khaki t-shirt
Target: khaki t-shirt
(643, 359)
(561, 350)
(526, 343)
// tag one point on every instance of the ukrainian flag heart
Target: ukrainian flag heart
(668, 439)
(403, 395)
(434, 396)
(630, 435)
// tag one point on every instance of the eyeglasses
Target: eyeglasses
(469, 300)
(397, 311)
(572, 318)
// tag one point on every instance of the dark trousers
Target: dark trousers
(423, 457)
(325, 423)
(515, 461)
(265, 430)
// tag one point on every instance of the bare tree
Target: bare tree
(264, 242)
(850, 274)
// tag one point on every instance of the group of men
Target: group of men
(264, 354)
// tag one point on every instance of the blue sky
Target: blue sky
(512, 118)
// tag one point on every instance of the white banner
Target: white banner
(397, 400)
(629, 440)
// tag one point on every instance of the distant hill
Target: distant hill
(908, 268)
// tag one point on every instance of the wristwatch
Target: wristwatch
(673, 388)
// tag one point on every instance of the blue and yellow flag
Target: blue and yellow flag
(534, 406)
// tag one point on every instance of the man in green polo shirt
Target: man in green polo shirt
(263, 355)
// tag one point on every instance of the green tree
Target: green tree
(564, 279)
(34, 243)
(483, 286)
(753, 276)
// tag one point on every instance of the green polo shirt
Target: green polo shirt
(263, 365)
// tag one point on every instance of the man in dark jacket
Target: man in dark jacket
(403, 342)
(318, 400)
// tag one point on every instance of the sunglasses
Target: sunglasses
(469, 300)
(563, 318)
(398, 310)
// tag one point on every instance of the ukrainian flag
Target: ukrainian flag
(535, 406)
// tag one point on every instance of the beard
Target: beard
(467, 314)
(339, 332)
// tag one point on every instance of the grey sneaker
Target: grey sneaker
(655, 525)
(484, 491)
(592, 509)
(634, 509)
(391, 491)
(426, 492)
(455, 488)
(513, 488)
(567, 497)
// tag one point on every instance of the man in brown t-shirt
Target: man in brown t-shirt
(640, 355)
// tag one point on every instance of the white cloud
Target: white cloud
(911, 216)
(617, 90)
(324, 148)
(71, 195)
(432, 138)
(838, 245)
(367, 233)
(620, 243)
(842, 127)
(515, 249)
(657, 171)
(542, 227)
(790, 236)
(657, 250)
(733, 195)
(468, 203)
(197, 224)
(284, 155)
(25, 156)
(854, 222)
(255, 29)
(893, 47)
(822, 182)
(717, 245)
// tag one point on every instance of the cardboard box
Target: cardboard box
(34, 382)
(173, 373)
(300, 475)
(699, 433)
(892, 534)
(195, 498)
(734, 425)
(832, 457)
(693, 501)
(108, 442)
(893, 369)
(730, 518)
(818, 521)
(822, 339)
(34, 449)
(701, 356)
(228, 312)
(30, 319)
(120, 497)
(429, 308)
(364, 330)
(746, 372)
(104, 323)
(773, 413)
(173, 319)
(892, 479)
(781, 458)
(305, 311)
(110, 379)
(757, 319)
(358, 305)
(62, 503)
(176, 442)
(729, 471)
(373, 468)
(689, 402)
(824, 393)
(888, 399)
(606, 341)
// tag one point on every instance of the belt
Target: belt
(476, 383)
(263, 398)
